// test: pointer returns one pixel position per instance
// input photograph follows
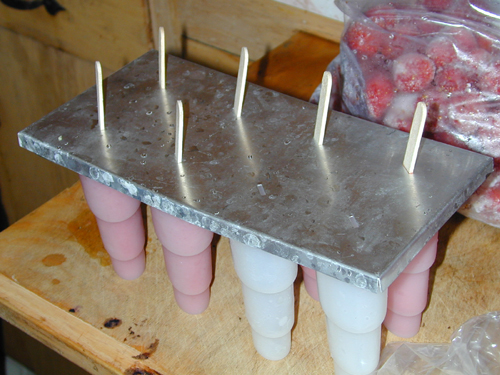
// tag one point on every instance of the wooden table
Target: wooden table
(57, 283)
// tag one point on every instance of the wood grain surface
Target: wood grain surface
(57, 284)
(34, 81)
(112, 31)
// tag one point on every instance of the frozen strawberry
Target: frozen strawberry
(428, 27)
(437, 5)
(401, 111)
(449, 139)
(489, 135)
(452, 78)
(460, 9)
(406, 26)
(490, 80)
(436, 108)
(410, 51)
(363, 38)
(379, 94)
(441, 50)
(477, 61)
(413, 72)
(383, 15)
(494, 195)
(465, 39)
(465, 112)
(485, 41)
(396, 45)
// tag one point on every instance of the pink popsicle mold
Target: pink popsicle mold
(179, 236)
(123, 240)
(188, 258)
(130, 269)
(310, 282)
(407, 295)
(107, 203)
(191, 277)
(195, 304)
(121, 227)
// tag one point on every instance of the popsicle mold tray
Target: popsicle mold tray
(347, 208)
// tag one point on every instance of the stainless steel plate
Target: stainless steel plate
(348, 208)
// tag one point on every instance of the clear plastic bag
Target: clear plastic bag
(445, 53)
(474, 350)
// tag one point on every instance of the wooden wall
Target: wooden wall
(46, 60)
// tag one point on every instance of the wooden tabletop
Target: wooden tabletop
(57, 283)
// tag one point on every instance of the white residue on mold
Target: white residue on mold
(156, 202)
(107, 178)
(252, 240)
(94, 173)
(132, 190)
(58, 158)
(147, 200)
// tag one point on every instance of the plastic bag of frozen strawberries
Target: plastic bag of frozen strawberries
(445, 53)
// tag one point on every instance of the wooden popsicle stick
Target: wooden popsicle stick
(161, 61)
(240, 82)
(179, 131)
(416, 131)
(324, 101)
(100, 96)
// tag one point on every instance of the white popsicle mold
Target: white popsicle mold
(188, 257)
(260, 270)
(267, 285)
(354, 353)
(269, 313)
(274, 348)
(120, 223)
(354, 318)
(407, 297)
